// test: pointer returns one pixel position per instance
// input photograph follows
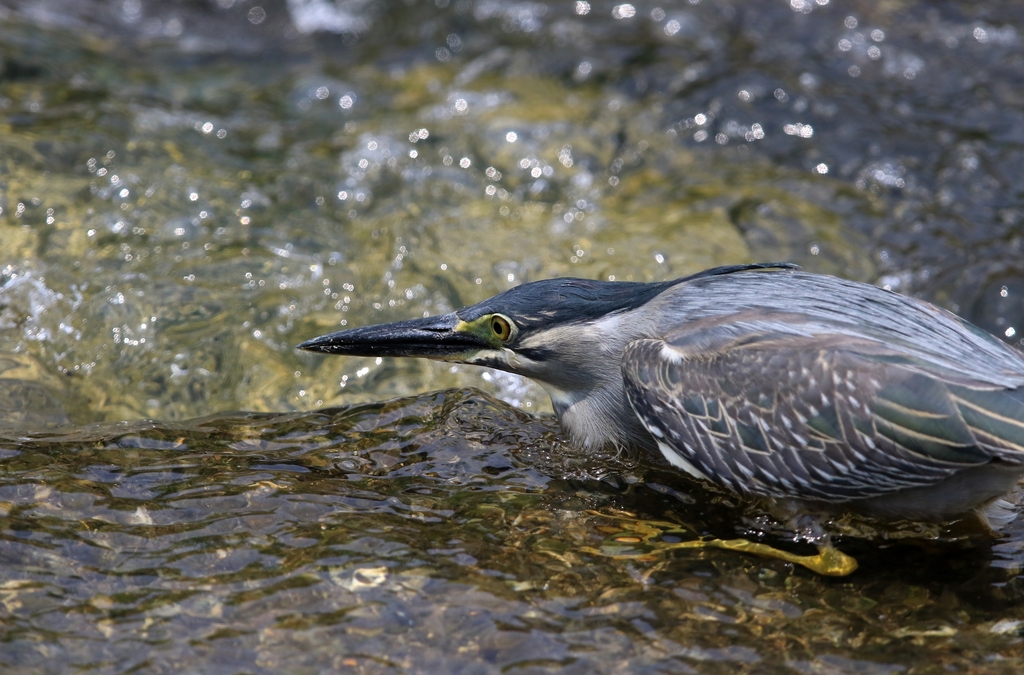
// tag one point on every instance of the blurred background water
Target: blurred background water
(188, 189)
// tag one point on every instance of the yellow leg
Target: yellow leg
(639, 539)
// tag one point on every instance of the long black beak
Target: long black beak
(434, 337)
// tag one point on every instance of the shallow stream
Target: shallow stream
(188, 189)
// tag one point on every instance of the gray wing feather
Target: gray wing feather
(800, 304)
(828, 417)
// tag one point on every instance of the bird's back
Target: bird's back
(794, 302)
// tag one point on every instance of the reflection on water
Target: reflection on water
(188, 190)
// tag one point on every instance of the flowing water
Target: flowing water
(189, 189)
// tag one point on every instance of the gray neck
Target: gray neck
(585, 384)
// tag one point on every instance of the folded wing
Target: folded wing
(825, 417)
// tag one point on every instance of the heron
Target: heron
(763, 379)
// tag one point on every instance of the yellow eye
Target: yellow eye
(501, 327)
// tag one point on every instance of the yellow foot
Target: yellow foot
(632, 538)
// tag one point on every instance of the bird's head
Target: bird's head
(562, 332)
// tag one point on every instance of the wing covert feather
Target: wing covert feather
(815, 417)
